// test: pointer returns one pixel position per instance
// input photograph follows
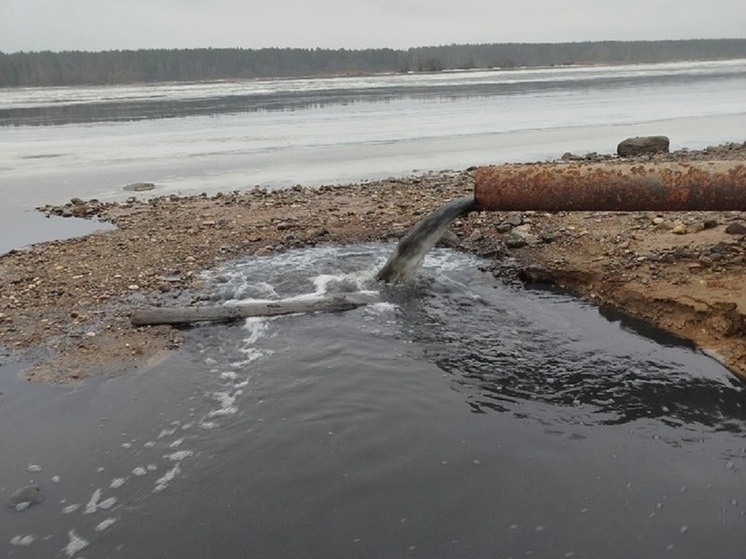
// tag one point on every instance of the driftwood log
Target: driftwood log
(222, 313)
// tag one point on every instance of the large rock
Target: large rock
(140, 186)
(643, 145)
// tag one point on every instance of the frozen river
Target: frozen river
(56, 143)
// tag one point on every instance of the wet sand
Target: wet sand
(66, 305)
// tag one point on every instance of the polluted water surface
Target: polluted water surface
(453, 416)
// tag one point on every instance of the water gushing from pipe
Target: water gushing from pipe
(421, 238)
(622, 186)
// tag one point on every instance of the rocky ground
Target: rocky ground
(65, 305)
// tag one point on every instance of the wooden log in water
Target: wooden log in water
(222, 313)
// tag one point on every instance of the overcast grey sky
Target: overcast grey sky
(33, 25)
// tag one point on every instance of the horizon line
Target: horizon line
(400, 49)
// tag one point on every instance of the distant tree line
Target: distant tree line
(138, 66)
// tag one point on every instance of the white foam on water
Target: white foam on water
(380, 308)
(71, 508)
(139, 471)
(449, 260)
(96, 504)
(92, 505)
(242, 384)
(331, 283)
(23, 540)
(179, 456)
(297, 274)
(34, 468)
(162, 482)
(257, 327)
(106, 504)
(117, 482)
(75, 544)
(167, 432)
(104, 524)
(227, 404)
(266, 288)
(177, 443)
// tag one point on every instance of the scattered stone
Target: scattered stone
(549, 236)
(515, 241)
(664, 226)
(475, 235)
(679, 229)
(696, 227)
(736, 228)
(449, 238)
(524, 232)
(139, 187)
(643, 145)
(315, 232)
(710, 223)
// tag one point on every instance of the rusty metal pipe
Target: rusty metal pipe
(612, 186)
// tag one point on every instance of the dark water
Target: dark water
(457, 417)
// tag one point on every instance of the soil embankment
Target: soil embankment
(66, 305)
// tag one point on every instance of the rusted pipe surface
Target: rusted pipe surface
(612, 186)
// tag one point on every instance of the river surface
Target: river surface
(454, 417)
(56, 143)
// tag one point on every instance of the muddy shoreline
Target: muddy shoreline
(65, 305)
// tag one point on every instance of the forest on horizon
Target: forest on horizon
(27, 69)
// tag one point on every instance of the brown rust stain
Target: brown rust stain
(612, 187)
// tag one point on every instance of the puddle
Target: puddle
(20, 228)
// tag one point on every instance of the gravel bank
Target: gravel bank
(65, 305)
